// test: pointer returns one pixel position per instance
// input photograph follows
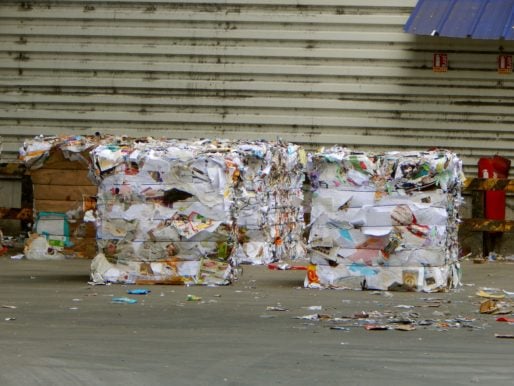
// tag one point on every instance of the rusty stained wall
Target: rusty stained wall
(311, 71)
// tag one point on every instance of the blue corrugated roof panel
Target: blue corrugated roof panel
(478, 19)
(496, 21)
(461, 18)
(426, 16)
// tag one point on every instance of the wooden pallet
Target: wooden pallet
(492, 230)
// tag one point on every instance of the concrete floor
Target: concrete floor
(65, 332)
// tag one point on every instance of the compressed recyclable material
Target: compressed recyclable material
(34, 153)
(268, 212)
(164, 212)
(190, 212)
(169, 210)
(384, 221)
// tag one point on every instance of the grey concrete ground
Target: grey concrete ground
(65, 332)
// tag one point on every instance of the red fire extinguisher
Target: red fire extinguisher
(494, 167)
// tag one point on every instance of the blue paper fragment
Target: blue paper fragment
(139, 291)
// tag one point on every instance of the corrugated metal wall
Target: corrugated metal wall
(10, 193)
(309, 71)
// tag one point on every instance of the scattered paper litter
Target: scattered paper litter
(314, 317)
(276, 308)
(123, 300)
(490, 294)
(504, 336)
(340, 328)
(314, 308)
(376, 327)
(138, 291)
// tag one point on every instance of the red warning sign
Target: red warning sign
(440, 63)
(505, 64)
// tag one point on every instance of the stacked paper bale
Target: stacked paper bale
(164, 212)
(268, 213)
(384, 221)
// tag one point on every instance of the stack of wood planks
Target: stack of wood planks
(62, 186)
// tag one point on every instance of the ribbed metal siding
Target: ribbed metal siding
(10, 193)
(315, 72)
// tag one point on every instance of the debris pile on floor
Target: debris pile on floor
(390, 320)
(384, 221)
(497, 302)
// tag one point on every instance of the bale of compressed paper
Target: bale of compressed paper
(384, 221)
(164, 212)
(268, 212)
